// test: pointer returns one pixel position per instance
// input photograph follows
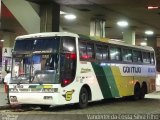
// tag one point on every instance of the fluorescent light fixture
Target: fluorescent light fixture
(149, 32)
(143, 44)
(70, 17)
(122, 23)
(2, 40)
(152, 7)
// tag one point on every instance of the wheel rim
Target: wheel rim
(83, 97)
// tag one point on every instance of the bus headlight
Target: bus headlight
(13, 99)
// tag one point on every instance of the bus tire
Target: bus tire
(143, 90)
(83, 98)
(137, 92)
(44, 107)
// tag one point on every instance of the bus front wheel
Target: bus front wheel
(83, 98)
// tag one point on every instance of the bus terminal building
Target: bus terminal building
(70, 49)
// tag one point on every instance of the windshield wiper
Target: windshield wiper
(38, 81)
(22, 77)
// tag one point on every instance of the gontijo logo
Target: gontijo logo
(127, 69)
(137, 70)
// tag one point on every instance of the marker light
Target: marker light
(149, 32)
(122, 23)
(70, 17)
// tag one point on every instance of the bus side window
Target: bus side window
(90, 50)
(137, 56)
(105, 52)
(146, 57)
(86, 51)
(127, 55)
(152, 58)
(98, 52)
(68, 60)
(115, 53)
(83, 50)
(69, 44)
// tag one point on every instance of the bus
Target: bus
(58, 68)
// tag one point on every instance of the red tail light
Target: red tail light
(66, 82)
(71, 56)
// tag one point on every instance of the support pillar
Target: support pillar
(24, 14)
(129, 36)
(97, 27)
(8, 38)
(50, 17)
(0, 12)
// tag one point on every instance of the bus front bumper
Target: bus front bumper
(35, 98)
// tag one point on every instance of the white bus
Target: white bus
(60, 68)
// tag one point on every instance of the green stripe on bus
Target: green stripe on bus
(111, 81)
(32, 86)
(102, 80)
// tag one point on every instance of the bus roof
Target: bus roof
(105, 40)
(114, 41)
(46, 34)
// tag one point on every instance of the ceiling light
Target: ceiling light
(122, 23)
(70, 17)
(152, 7)
(149, 32)
(2, 40)
(143, 44)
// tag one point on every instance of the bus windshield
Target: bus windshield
(37, 44)
(35, 68)
(44, 60)
(36, 61)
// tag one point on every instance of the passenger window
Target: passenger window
(115, 53)
(86, 50)
(146, 57)
(98, 52)
(83, 50)
(69, 44)
(101, 52)
(152, 58)
(90, 50)
(105, 52)
(137, 57)
(127, 55)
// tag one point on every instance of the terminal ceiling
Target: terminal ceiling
(134, 11)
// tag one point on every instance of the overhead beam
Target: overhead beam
(25, 14)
